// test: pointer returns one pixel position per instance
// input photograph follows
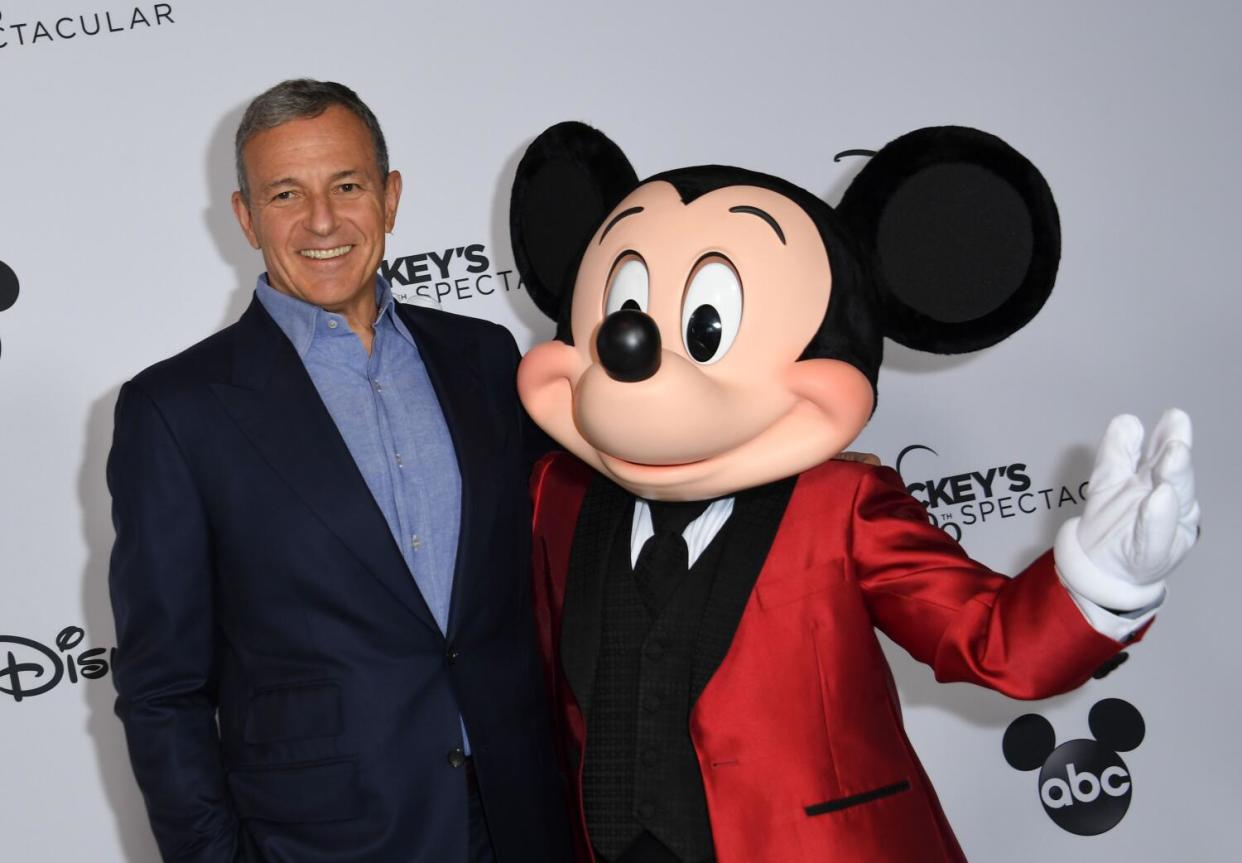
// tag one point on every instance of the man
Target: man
(325, 647)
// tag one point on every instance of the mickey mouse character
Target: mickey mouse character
(707, 578)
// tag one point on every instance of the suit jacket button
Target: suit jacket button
(451, 655)
(456, 757)
(646, 810)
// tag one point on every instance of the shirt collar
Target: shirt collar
(698, 534)
(387, 305)
(300, 321)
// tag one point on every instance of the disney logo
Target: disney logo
(30, 668)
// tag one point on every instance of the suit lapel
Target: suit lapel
(748, 537)
(275, 403)
(604, 509)
(451, 357)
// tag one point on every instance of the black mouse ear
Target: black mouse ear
(1028, 742)
(569, 179)
(964, 237)
(1117, 723)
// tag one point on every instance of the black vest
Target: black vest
(640, 771)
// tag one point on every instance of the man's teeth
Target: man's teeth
(325, 254)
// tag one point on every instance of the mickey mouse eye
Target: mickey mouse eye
(712, 310)
(627, 285)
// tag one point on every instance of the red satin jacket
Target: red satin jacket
(798, 731)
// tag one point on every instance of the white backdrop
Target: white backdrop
(114, 214)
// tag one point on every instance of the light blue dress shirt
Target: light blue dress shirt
(386, 410)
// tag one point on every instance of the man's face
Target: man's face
(318, 208)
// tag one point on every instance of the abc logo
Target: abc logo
(8, 286)
(1084, 785)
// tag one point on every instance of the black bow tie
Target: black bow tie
(664, 559)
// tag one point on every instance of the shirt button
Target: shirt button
(378, 388)
(654, 650)
(332, 323)
(651, 757)
(646, 810)
(400, 463)
(456, 757)
(415, 542)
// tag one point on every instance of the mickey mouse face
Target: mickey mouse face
(720, 328)
(688, 320)
(1084, 785)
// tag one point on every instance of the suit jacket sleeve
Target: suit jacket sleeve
(161, 588)
(1022, 636)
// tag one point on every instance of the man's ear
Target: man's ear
(242, 211)
(570, 178)
(392, 197)
(963, 235)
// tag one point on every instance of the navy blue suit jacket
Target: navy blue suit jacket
(285, 691)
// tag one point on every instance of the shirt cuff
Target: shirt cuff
(1120, 626)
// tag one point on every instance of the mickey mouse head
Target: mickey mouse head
(8, 286)
(719, 328)
(1084, 785)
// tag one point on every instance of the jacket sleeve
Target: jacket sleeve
(1023, 636)
(161, 584)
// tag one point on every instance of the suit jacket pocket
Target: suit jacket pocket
(325, 791)
(294, 711)
(857, 799)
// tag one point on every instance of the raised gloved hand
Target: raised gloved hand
(1140, 519)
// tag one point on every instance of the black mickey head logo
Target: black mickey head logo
(1084, 785)
(8, 286)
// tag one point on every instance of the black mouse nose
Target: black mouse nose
(629, 346)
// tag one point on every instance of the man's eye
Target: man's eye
(348, 187)
(286, 195)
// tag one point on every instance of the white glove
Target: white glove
(1140, 519)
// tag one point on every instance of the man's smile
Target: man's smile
(325, 254)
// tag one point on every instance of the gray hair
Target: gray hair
(301, 99)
